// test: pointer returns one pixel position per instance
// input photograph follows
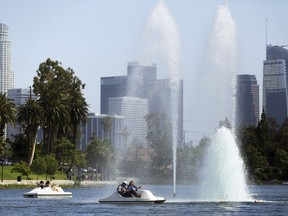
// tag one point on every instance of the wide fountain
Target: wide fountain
(223, 176)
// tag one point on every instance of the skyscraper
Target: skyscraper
(141, 82)
(275, 83)
(6, 73)
(134, 111)
(247, 101)
(112, 87)
(139, 79)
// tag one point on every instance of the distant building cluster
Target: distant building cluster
(275, 90)
(128, 99)
(134, 97)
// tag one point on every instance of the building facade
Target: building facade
(112, 87)
(6, 73)
(141, 82)
(93, 128)
(247, 101)
(140, 78)
(275, 83)
(134, 127)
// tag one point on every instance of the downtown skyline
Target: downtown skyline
(98, 38)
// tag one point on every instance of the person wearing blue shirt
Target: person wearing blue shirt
(132, 188)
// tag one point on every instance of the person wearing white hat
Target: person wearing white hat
(122, 189)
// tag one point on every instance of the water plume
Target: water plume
(223, 177)
(160, 44)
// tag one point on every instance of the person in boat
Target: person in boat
(123, 191)
(41, 184)
(133, 188)
(47, 184)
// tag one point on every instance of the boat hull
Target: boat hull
(146, 198)
(47, 192)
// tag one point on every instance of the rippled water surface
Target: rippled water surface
(269, 200)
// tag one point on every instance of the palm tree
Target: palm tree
(107, 125)
(31, 114)
(78, 113)
(7, 115)
(56, 115)
(64, 105)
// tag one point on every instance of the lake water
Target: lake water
(273, 200)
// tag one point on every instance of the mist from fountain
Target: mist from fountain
(223, 175)
(160, 44)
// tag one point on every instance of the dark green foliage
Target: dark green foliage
(39, 166)
(30, 116)
(98, 155)
(107, 125)
(160, 138)
(62, 101)
(7, 115)
(51, 165)
(265, 150)
(19, 148)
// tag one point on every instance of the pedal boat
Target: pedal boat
(146, 196)
(47, 192)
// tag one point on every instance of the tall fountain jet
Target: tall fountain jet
(223, 175)
(160, 44)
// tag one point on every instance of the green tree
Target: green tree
(160, 139)
(30, 115)
(78, 112)
(19, 147)
(7, 115)
(51, 165)
(131, 162)
(107, 125)
(39, 166)
(98, 153)
(283, 135)
(63, 103)
(225, 123)
(65, 151)
(21, 168)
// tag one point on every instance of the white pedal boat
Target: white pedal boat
(146, 197)
(47, 192)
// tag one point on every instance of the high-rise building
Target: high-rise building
(247, 101)
(141, 82)
(275, 83)
(139, 79)
(112, 87)
(6, 73)
(93, 128)
(161, 101)
(134, 111)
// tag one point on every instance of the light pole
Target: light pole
(2, 159)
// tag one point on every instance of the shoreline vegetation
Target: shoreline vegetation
(13, 184)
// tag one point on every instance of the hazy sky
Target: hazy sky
(98, 38)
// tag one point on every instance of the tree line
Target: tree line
(58, 108)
